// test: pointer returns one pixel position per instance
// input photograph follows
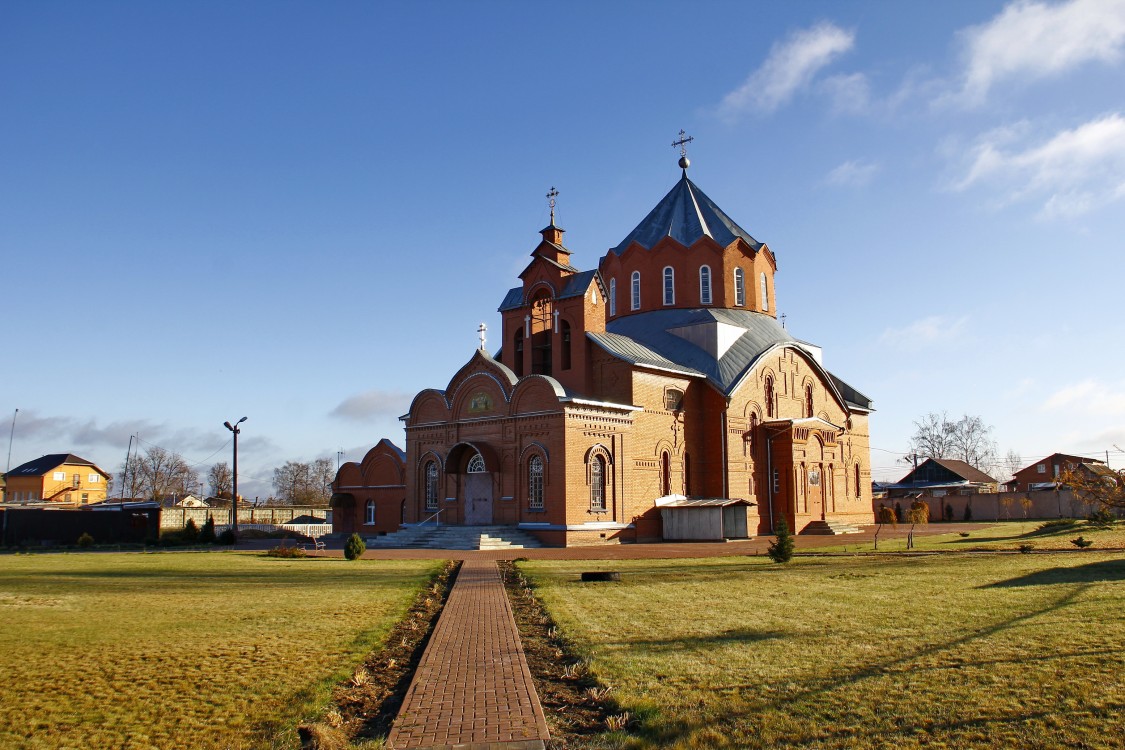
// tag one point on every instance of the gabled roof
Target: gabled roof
(43, 464)
(576, 286)
(965, 471)
(686, 214)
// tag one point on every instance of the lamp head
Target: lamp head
(241, 420)
(227, 425)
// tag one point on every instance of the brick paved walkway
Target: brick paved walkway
(472, 688)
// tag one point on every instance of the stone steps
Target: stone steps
(830, 528)
(455, 537)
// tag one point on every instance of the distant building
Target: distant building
(937, 477)
(1043, 474)
(57, 478)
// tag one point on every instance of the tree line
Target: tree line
(157, 473)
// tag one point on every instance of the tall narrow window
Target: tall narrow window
(369, 517)
(704, 285)
(564, 334)
(669, 286)
(535, 483)
(635, 301)
(769, 397)
(665, 474)
(612, 297)
(517, 353)
(431, 475)
(765, 294)
(808, 401)
(597, 483)
(739, 288)
(857, 479)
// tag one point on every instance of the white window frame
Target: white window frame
(430, 477)
(93, 479)
(476, 465)
(705, 285)
(369, 513)
(635, 291)
(597, 483)
(739, 288)
(612, 297)
(765, 293)
(59, 476)
(669, 275)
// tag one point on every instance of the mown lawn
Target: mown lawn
(963, 650)
(1004, 535)
(179, 650)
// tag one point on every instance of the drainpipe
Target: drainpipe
(769, 474)
(726, 458)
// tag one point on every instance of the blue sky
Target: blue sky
(300, 212)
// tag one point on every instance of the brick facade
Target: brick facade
(609, 432)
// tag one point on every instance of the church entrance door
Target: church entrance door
(816, 491)
(478, 499)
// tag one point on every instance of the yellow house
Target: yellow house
(57, 478)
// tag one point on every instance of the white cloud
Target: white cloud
(1073, 172)
(791, 66)
(852, 174)
(374, 403)
(935, 329)
(1032, 40)
(1088, 396)
(850, 94)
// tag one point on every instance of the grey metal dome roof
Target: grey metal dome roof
(685, 214)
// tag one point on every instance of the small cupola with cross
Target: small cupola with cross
(551, 247)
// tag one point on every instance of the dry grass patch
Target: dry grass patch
(945, 651)
(173, 650)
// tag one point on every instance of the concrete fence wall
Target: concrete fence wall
(1004, 506)
(175, 518)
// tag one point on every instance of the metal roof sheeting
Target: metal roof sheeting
(686, 214)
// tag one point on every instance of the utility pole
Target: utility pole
(11, 436)
(125, 472)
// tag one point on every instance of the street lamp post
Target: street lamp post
(234, 475)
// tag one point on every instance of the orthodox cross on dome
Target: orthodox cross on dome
(480, 332)
(551, 195)
(681, 144)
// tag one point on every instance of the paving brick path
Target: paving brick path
(472, 688)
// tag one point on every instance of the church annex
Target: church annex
(658, 379)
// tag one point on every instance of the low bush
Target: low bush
(1081, 542)
(781, 549)
(85, 540)
(355, 547)
(1026, 548)
(207, 533)
(227, 537)
(1102, 518)
(1057, 524)
(287, 552)
(190, 533)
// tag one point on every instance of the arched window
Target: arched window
(542, 332)
(635, 300)
(704, 285)
(476, 465)
(597, 483)
(535, 483)
(739, 288)
(808, 401)
(857, 479)
(565, 353)
(431, 475)
(517, 353)
(673, 399)
(612, 297)
(669, 286)
(765, 294)
(665, 474)
(369, 518)
(769, 397)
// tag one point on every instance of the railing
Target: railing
(311, 530)
(435, 518)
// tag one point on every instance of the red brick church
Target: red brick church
(659, 380)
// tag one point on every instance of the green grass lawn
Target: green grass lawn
(980, 650)
(1005, 535)
(183, 650)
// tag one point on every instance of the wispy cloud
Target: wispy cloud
(852, 174)
(1033, 40)
(1090, 395)
(792, 64)
(924, 333)
(1072, 172)
(374, 403)
(849, 93)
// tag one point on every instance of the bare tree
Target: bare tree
(132, 485)
(219, 479)
(162, 473)
(968, 439)
(1013, 462)
(299, 483)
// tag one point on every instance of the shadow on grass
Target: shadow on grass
(734, 635)
(1096, 572)
(666, 730)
